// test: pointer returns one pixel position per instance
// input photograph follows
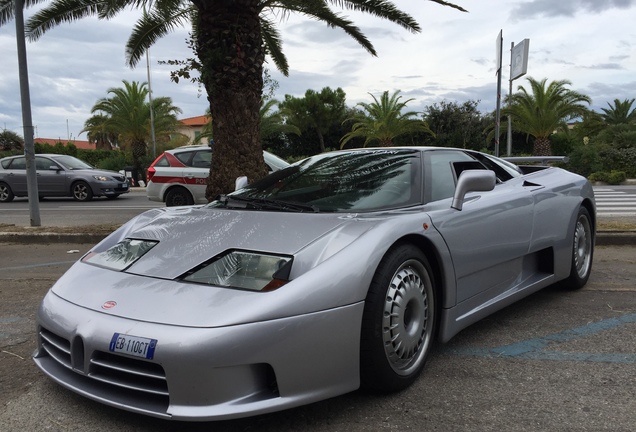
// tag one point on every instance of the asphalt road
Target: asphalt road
(555, 361)
(63, 212)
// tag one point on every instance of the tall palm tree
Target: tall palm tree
(544, 109)
(620, 113)
(127, 114)
(384, 121)
(232, 38)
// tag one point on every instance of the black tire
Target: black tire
(81, 191)
(6, 194)
(399, 321)
(112, 197)
(582, 251)
(178, 196)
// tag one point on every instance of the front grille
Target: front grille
(119, 178)
(122, 380)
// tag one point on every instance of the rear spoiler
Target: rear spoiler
(542, 160)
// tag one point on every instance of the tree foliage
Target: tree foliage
(457, 125)
(10, 140)
(319, 112)
(383, 121)
(544, 109)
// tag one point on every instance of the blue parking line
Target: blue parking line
(37, 265)
(533, 348)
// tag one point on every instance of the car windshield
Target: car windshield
(72, 163)
(353, 181)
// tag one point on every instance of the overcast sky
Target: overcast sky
(592, 43)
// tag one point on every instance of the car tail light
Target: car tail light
(150, 173)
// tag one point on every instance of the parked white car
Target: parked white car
(178, 176)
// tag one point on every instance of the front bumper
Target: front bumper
(202, 373)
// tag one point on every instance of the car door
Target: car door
(197, 171)
(51, 177)
(16, 176)
(489, 238)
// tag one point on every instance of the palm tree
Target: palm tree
(544, 110)
(384, 121)
(232, 39)
(273, 122)
(96, 128)
(620, 113)
(10, 140)
(127, 114)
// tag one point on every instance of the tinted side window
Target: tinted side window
(440, 177)
(19, 163)
(184, 157)
(43, 164)
(162, 162)
(202, 159)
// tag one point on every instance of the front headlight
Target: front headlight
(101, 178)
(122, 255)
(244, 270)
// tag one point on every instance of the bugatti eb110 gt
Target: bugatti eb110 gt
(336, 273)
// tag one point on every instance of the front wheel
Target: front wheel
(398, 322)
(582, 251)
(81, 191)
(6, 194)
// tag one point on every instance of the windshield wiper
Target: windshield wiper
(264, 203)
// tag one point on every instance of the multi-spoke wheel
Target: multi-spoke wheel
(582, 251)
(6, 194)
(82, 191)
(399, 320)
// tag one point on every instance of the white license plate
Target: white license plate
(124, 185)
(133, 345)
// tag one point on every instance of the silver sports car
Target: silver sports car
(336, 273)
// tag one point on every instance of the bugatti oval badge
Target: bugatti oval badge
(109, 304)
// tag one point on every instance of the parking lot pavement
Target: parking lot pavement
(555, 361)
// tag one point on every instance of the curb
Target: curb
(603, 238)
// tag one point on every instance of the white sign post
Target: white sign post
(518, 68)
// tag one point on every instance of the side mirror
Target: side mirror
(54, 168)
(472, 181)
(240, 182)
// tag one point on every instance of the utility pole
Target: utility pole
(29, 150)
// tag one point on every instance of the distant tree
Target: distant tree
(544, 109)
(383, 121)
(456, 125)
(273, 122)
(318, 112)
(127, 114)
(620, 113)
(10, 140)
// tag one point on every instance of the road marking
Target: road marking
(38, 265)
(533, 349)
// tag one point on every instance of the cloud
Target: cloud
(567, 8)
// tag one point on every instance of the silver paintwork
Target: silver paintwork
(225, 353)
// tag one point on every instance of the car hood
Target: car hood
(189, 236)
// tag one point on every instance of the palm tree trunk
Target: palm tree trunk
(232, 56)
(138, 152)
(542, 146)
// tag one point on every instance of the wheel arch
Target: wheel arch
(173, 187)
(587, 203)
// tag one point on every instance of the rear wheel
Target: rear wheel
(398, 323)
(6, 194)
(82, 191)
(178, 196)
(582, 251)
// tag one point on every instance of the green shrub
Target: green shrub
(614, 177)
